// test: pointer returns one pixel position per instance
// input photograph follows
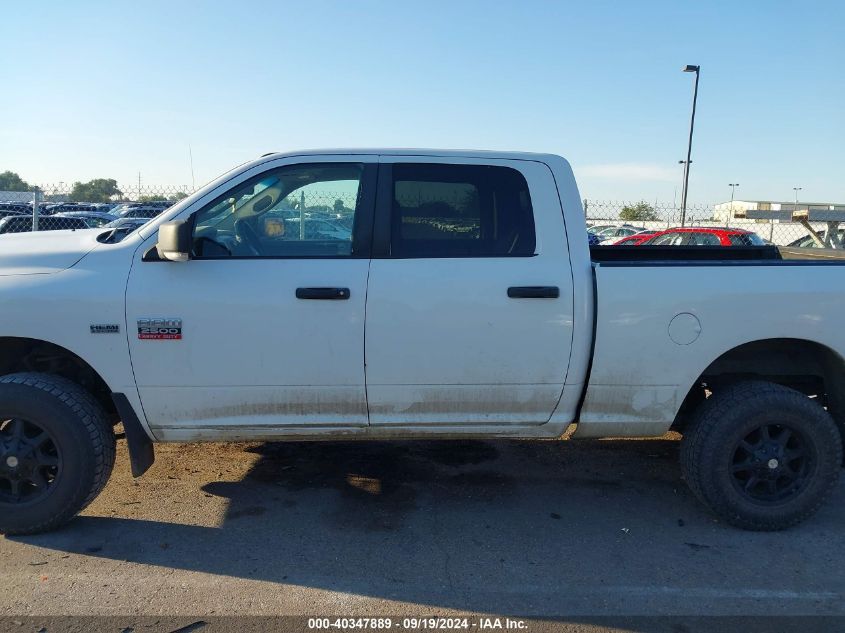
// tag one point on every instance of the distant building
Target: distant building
(725, 211)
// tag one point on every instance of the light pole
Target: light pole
(794, 208)
(683, 186)
(733, 186)
(689, 68)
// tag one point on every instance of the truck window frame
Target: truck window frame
(382, 239)
(364, 215)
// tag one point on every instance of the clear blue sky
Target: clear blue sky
(108, 89)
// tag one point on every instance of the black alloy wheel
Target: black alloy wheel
(30, 462)
(772, 464)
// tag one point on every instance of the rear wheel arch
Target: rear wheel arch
(806, 366)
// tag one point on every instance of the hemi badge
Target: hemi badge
(105, 328)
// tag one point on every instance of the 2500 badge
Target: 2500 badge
(160, 329)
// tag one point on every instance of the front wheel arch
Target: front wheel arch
(19, 354)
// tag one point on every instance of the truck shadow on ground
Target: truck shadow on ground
(488, 526)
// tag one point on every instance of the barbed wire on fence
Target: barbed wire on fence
(99, 202)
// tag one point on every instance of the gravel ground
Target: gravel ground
(577, 529)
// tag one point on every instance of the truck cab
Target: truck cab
(286, 332)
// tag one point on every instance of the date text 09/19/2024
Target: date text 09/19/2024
(417, 623)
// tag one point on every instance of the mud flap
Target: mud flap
(141, 452)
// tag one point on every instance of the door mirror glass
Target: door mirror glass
(174, 241)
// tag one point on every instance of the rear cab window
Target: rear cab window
(444, 210)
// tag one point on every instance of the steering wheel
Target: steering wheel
(248, 236)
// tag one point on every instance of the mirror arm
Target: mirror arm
(152, 255)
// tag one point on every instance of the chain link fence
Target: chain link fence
(104, 203)
(90, 205)
(782, 224)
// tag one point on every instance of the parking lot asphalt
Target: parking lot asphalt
(340, 528)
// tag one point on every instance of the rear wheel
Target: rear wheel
(761, 456)
(56, 451)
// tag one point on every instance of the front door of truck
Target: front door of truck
(470, 300)
(263, 327)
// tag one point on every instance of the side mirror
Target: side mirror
(174, 241)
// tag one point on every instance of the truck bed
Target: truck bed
(677, 255)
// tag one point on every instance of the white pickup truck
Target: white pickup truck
(383, 294)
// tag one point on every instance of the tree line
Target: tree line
(96, 190)
(640, 212)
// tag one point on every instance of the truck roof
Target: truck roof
(462, 153)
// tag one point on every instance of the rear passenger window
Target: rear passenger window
(751, 239)
(703, 239)
(670, 239)
(460, 211)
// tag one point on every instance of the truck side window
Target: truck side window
(460, 211)
(294, 211)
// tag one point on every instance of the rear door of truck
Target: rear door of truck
(469, 314)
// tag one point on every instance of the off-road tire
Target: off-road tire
(714, 439)
(83, 438)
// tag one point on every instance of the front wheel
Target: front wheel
(57, 450)
(761, 456)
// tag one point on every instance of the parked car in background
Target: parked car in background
(145, 211)
(7, 212)
(122, 223)
(808, 242)
(704, 236)
(122, 227)
(594, 230)
(43, 208)
(67, 207)
(93, 218)
(612, 233)
(21, 206)
(314, 228)
(124, 207)
(23, 223)
(104, 207)
(592, 239)
(634, 240)
(15, 207)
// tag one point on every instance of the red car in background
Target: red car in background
(704, 236)
(634, 240)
